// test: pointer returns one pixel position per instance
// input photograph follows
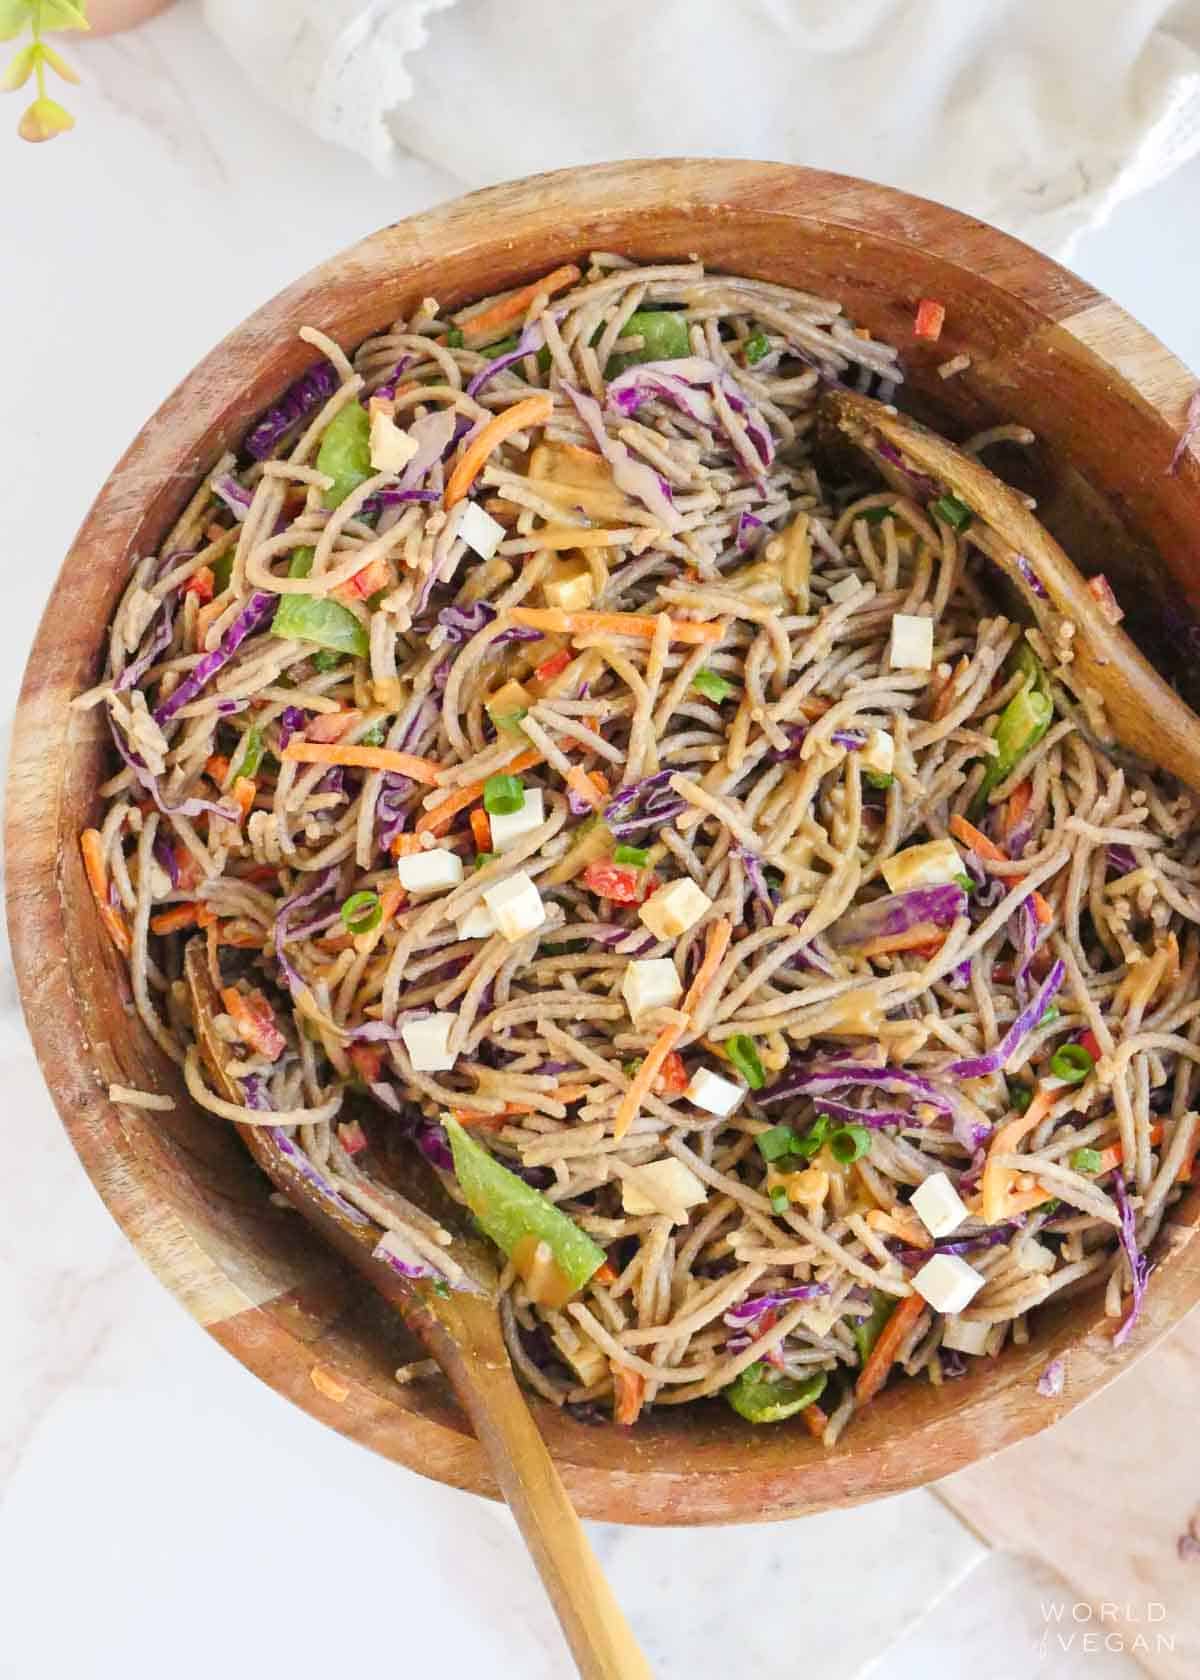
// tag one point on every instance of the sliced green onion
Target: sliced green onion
(502, 795)
(362, 911)
(756, 347)
(712, 686)
(953, 512)
(326, 659)
(743, 1053)
(1051, 1014)
(501, 347)
(375, 736)
(222, 571)
(482, 859)
(878, 779)
(776, 1142)
(635, 855)
(455, 339)
(630, 1067)
(301, 563)
(1020, 1097)
(965, 882)
(1072, 1063)
(850, 1143)
(866, 1331)
(250, 756)
(876, 515)
(1052, 1206)
(510, 722)
(1086, 1160)
(779, 1199)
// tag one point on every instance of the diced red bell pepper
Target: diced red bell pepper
(368, 1061)
(553, 666)
(931, 317)
(672, 1076)
(352, 1137)
(612, 881)
(201, 584)
(255, 1022)
(1091, 1044)
(368, 582)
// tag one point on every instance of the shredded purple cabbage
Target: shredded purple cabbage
(976, 1067)
(747, 525)
(921, 483)
(969, 1122)
(146, 779)
(292, 721)
(387, 390)
(746, 1311)
(898, 913)
(1052, 1380)
(299, 901)
(136, 670)
(531, 340)
(297, 403)
(433, 434)
(1122, 860)
(1031, 578)
(1139, 1266)
(234, 495)
(634, 477)
(401, 1257)
(164, 856)
(258, 611)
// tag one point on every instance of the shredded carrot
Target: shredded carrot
(205, 617)
(437, 820)
(530, 411)
(604, 1274)
(1016, 806)
(643, 1080)
(515, 304)
(930, 319)
(181, 916)
(597, 777)
(201, 584)
(92, 847)
(555, 620)
(988, 849)
(405, 845)
(375, 576)
(244, 792)
(217, 767)
(994, 1184)
(583, 787)
(364, 758)
(255, 1022)
(882, 1357)
(815, 1421)
(1114, 1154)
(481, 829)
(629, 1387)
(476, 1117)
(948, 691)
(553, 667)
(719, 934)
(895, 1225)
(918, 938)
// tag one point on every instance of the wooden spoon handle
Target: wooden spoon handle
(600, 1638)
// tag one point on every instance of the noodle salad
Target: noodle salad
(669, 833)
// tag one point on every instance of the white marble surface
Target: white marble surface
(162, 1512)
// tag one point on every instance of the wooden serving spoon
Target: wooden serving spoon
(462, 1331)
(1145, 713)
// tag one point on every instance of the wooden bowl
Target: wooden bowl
(1107, 401)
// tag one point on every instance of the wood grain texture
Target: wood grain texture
(1144, 711)
(181, 1184)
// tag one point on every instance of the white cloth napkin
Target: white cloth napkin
(1039, 115)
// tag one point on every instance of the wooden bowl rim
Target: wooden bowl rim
(638, 1486)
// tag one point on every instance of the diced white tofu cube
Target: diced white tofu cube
(934, 864)
(517, 906)
(571, 591)
(480, 531)
(712, 1093)
(963, 1335)
(674, 908)
(478, 923)
(651, 984)
(426, 1042)
(509, 826)
(948, 1283)
(911, 646)
(879, 754)
(429, 872)
(391, 448)
(844, 588)
(938, 1205)
(662, 1187)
